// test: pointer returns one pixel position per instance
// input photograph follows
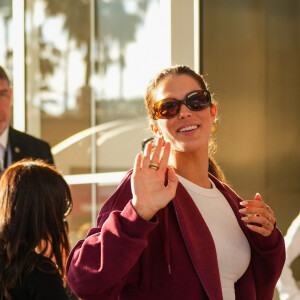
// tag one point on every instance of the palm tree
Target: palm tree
(6, 13)
(114, 24)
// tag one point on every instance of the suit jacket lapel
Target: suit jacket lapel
(199, 243)
(16, 151)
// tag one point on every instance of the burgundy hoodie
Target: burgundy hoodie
(173, 256)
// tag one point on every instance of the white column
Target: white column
(18, 64)
(185, 33)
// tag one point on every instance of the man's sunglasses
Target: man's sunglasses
(169, 108)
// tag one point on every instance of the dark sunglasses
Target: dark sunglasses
(169, 108)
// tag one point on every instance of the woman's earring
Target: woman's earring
(213, 127)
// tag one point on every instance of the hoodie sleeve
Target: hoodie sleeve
(99, 266)
(268, 257)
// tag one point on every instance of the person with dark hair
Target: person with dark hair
(172, 230)
(34, 244)
(16, 145)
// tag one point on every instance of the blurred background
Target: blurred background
(80, 69)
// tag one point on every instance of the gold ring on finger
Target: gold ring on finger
(153, 166)
(268, 207)
(269, 218)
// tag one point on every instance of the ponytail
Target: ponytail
(215, 170)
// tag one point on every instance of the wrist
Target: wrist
(144, 212)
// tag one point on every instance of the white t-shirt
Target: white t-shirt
(232, 247)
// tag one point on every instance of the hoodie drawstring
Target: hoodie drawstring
(166, 239)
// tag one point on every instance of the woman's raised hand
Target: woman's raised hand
(150, 190)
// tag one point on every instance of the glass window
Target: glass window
(87, 67)
(6, 49)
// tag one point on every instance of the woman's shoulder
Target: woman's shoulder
(45, 265)
(43, 282)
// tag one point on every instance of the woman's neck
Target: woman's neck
(191, 166)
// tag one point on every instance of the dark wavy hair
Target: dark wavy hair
(173, 71)
(34, 201)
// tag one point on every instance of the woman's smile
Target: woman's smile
(188, 129)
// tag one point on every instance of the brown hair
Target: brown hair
(177, 70)
(34, 201)
(169, 72)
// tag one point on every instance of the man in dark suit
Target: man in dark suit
(16, 145)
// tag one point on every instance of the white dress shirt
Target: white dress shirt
(3, 147)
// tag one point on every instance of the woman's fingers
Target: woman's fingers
(156, 154)
(259, 224)
(158, 160)
(261, 230)
(258, 216)
(259, 219)
(257, 197)
(165, 157)
(250, 210)
(152, 160)
(137, 163)
(172, 179)
(146, 156)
